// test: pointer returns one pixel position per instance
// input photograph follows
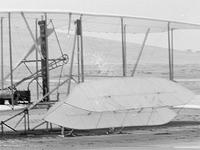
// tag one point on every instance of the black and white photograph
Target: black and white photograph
(100, 75)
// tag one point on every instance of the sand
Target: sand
(173, 136)
(182, 133)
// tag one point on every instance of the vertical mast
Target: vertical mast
(80, 33)
(125, 59)
(36, 56)
(78, 59)
(172, 53)
(2, 60)
(11, 67)
(44, 59)
(47, 50)
(169, 52)
(123, 30)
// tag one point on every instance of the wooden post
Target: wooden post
(2, 60)
(36, 57)
(28, 119)
(69, 25)
(78, 59)
(11, 67)
(80, 33)
(125, 60)
(44, 60)
(25, 129)
(123, 29)
(172, 52)
(169, 52)
(47, 53)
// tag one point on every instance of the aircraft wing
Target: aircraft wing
(193, 104)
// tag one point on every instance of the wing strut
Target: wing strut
(123, 34)
(2, 60)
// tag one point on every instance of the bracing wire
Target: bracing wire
(140, 53)
(61, 51)
(56, 35)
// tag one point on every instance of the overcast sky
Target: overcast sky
(182, 10)
(175, 10)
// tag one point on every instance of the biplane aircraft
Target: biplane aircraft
(120, 101)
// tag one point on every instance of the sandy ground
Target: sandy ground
(173, 136)
(182, 133)
(151, 139)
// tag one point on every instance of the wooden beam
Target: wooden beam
(81, 50)
(2, 58)
(169, 51)
(78, 58)
(172, 52)
(123, 35)
(36, 57)
(11, 67)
